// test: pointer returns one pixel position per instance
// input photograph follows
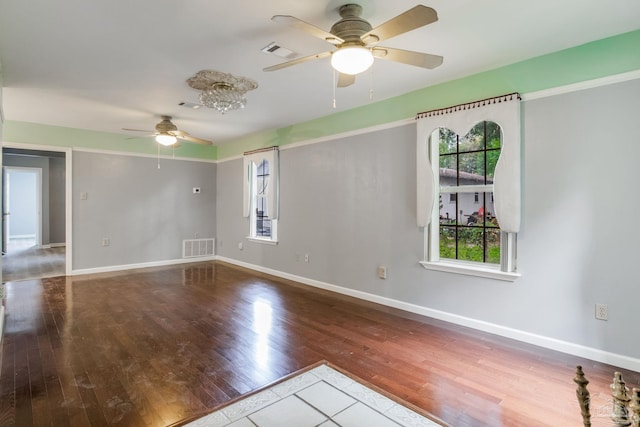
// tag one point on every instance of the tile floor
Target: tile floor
(320, 397)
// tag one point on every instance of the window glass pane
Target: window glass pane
(470, 244)
(448, 172)
(448, 141)
(448, 242)
(262, 178)
(448, 210)
(494, 135)
(493, 246)
(474, 140)
(471, 168)
(263, 223)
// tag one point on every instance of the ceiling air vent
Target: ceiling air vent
(278, 50)
(191, 105)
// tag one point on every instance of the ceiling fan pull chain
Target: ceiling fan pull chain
(334, 87)
(158, 147)
(371, 87)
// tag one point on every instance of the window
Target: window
(261, 194)
(260, 221)
(470, 155)
(468, 230)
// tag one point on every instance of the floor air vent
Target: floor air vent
(194, 248)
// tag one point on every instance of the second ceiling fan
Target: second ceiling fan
(168, 133)
(357, 42)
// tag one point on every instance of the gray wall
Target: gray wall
(350, 204)
(146, 212)
(57, 192)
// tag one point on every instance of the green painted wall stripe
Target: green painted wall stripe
(33, 133)
(601, 58)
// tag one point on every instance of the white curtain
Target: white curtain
(272, 192)
(503, 110)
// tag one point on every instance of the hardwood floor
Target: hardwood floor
(24, 260)
(153, 347)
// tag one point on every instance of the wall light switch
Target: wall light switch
(84, 195)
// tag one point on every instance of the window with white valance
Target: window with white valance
(261, 193)
(453, 200)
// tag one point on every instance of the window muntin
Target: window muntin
(468, 229)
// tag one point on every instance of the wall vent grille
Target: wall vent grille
(196, 248)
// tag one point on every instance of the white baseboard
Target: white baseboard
(602, 356)
(52, 245)
(113, 268)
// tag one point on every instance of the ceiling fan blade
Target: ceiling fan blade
(345, 80)
(297, 61)
(409, 57)
(413, 18)
(294, 22)
(185, 135)
(196, 140)
(138, 130)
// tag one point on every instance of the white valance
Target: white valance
(251, 161)
(503, 110)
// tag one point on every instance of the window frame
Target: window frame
(251, 163)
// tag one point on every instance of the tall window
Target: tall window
(260, 221)
(261, 194)
(468, 182)
(468, 228)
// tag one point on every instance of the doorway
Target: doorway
(22, 215)
(34, 214)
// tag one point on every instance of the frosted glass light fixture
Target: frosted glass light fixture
(166, 139)
(352, 59)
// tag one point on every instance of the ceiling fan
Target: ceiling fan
(168, 134)
(356, 41)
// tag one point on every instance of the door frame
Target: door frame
(38, 172)
(68, 164)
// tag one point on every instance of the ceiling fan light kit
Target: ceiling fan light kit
(352, 59)
(221, 91)
(166, 139)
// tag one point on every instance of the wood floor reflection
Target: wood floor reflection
(25, 260)
(153, 347)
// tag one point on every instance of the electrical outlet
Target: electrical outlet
(240, 246)
(602, 312)
(382, 272)
(106, 241)
(306, 257)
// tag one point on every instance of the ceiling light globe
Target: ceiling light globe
(352, 59)
(166, 139)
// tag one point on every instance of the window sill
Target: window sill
(471, 270)
(265, 241)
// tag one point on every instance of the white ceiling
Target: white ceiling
(103, 65)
